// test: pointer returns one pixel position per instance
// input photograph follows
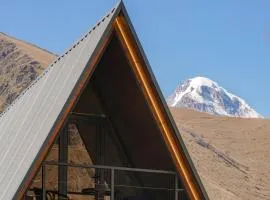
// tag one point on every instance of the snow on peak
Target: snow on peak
(199, 80)
(203, 94)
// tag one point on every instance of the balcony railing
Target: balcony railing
(110, 181)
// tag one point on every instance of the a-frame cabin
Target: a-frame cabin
(94, 125)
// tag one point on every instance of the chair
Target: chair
(92, 192)
(137, 198)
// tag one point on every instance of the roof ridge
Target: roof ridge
(59, 58)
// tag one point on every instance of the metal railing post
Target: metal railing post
(112, 184)
(176, 187)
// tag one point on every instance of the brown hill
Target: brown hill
(20, 64)
(232, 155)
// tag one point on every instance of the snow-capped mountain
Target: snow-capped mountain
(205, 95)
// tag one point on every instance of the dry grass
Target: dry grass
(232, 155)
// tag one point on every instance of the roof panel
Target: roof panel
(25, 125)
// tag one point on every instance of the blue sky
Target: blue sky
(227, 41)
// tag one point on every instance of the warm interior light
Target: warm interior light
(138, 69)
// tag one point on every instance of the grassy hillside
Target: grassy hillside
(232, 155)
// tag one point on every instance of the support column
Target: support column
(63, 158)
(112, 184)
(100, 151)
(43, 174)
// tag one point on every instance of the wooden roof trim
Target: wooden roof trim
(144, 78)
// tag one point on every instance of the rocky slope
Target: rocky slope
(205, 95)
(20, 64)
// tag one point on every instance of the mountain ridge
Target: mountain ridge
(204, 95)
(26, 42)
(20, 64)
